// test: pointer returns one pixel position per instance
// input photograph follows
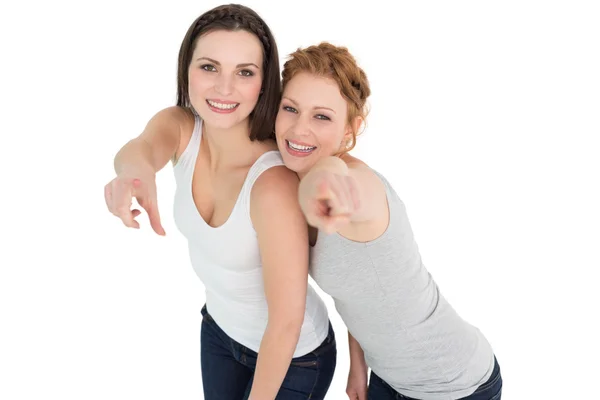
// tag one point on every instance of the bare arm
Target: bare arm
(137, 163)
(148, 153)
(367, 188)
(283, 240)
(357, 356)
(357, 388)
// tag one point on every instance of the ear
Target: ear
(357, 123)
(352, 129)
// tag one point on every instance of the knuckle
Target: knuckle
(121, 209)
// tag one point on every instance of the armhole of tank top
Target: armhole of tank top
(386, 232)
(386, 184)
(193, 141)
(263, 163)
(396, 206)
(390, 193)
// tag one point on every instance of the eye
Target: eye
(322, 117)
(208, 67)
(246, 72)
(290, 109)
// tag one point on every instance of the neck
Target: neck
(227, 147)
(301, 175)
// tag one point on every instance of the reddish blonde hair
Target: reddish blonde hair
(337, 63)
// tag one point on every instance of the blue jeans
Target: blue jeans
(228, 367)
(490, 390)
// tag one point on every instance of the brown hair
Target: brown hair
(337, 63)
(235, 17)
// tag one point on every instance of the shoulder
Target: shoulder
(274, 196)
(164, 131)
(275, 210)
(372, 215)
(179, 120)
(363, 173)
(170, 122)
(183, 117)
(275, 183)
(174, 115)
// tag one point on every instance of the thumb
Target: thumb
(352, 393)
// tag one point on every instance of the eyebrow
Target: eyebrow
(242, 65)
(314, 108)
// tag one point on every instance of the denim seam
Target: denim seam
(488, 385)
(316, 380)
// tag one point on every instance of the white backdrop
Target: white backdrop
(485, 117)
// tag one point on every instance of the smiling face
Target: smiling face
(225, 77)
(312, 122)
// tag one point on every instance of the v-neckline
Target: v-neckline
(237, 200)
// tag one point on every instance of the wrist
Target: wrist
(135, 171)
(358, 365)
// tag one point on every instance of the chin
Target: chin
(221, 124)
(299, 166)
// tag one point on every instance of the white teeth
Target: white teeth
(299, 147)
(222, 106)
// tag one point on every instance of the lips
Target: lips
(300, 146)
(299, 149)
(221, 106)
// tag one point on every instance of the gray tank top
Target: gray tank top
(411, 336)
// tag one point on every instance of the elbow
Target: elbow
(288, 325)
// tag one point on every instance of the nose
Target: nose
(302, 126)
(224, 84)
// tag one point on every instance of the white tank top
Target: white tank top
(227, 259)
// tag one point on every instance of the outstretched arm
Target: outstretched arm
(334, 193)
(137, 163)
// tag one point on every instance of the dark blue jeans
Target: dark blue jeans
(490, 390)
(228, 367)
